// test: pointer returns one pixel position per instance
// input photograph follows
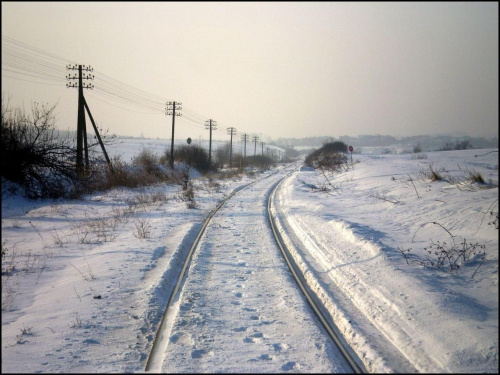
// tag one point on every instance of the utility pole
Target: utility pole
(170, 110)
(98, 136)
(81, 130)
(210, 124)
(262, 148)
(255, 139)
(245, 138)
(231, 131)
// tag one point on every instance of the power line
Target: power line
(21, 61)
(35, 50)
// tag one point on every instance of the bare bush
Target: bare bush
(104, 229)
(493, 216)
(148, 160)
(34, 155)
(443, 255)
(383, 194)
(143, 228)
(473, 176)
(211, 186)
(458, 145)
(431, 174)
(194, 156)
(187, 195)
(41, 159)
(59, 240)
(77, 322)
(417, 149)
(8, 293)
(330, 157)
(448, 256)
(147, 199)
(82, 233)
(89, 275)
(259, 161)
(8, 261)
(121, 215)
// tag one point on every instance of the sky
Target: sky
(270, 69)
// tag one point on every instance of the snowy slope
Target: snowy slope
(437, 321)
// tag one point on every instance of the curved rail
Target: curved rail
(185, 266)
(151, 358)
(349, 359)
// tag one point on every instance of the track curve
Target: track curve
(330, 329)
(268, 266)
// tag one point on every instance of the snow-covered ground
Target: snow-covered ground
(240, 311)
(439, 321)
(90, 278)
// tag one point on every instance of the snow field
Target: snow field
(351, 236)
(87, 291)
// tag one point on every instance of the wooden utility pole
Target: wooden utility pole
(98, 136)
(231, 131)
(81, 130)
(262, 143)
(210, 124)
(170, 110)
(255, 139)
(245, 138)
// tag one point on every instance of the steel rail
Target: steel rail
(180, 279)
(279, 240)
(155, 347)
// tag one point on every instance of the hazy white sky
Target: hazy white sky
(273, 69)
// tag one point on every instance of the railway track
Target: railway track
(327, 325)
(155, 359)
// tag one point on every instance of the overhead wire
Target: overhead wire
(22, 60)
(99, 97)
(34, 49)
(27, 80)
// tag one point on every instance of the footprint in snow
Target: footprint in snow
(278, 347)
(266, 357)
(289, 366)
(200, 353)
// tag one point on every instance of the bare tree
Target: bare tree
(34, 154)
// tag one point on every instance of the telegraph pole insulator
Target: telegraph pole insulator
(81, 131)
